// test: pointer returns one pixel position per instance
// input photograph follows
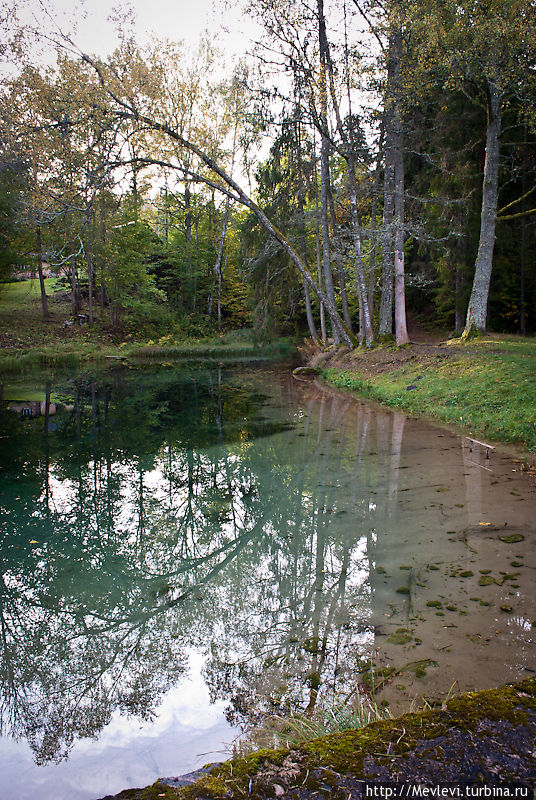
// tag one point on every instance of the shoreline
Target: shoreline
(476, 738)
(484, 390)
(34, 359)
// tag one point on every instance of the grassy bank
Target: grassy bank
(76, 353)
(487, 387)
(28, 341)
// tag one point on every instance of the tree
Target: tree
(12, 189)
(487, 50)
(143, 108)
(299, 32)
(52, 126)
(394, 187)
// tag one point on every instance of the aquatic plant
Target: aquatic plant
(276, 731)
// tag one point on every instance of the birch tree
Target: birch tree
(485, 50)
(140, 101)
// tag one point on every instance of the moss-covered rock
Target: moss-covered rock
(481, 737)
(157, 791)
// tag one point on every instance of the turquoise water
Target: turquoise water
(186, 549)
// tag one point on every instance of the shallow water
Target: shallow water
(185, 548)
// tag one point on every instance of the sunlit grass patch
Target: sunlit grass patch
(17, 292)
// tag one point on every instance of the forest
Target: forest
(365, 162)
(207, 549)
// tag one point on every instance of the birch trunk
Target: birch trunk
(89, 268)
(324, 163)
(478, 302)
(374, 225)
(523, 256)
(324, 226)
(323, 331)
(44, 301)
(102, 293)
(188, 239)
(401, 331)
(303, 238)
(365, 322)
(218, 265)
(386, 299)
(364, 311)
(75, 301)
(341, 272)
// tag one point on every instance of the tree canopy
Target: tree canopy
(366, 160)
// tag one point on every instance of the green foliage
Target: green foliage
(11, 187)
(285, 193)
(184, 266)
(131, 290)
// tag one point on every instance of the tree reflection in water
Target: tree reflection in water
(168, 509)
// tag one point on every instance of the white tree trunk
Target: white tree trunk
(478, 302)
(386, 300)
(401, 331)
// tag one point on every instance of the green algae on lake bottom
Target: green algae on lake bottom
(400, 636)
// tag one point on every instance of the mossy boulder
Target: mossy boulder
(480, 737)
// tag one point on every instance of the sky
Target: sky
(172, 19)
(177, 19)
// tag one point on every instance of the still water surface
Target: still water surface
(184, 548)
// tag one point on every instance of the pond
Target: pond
(185, 548)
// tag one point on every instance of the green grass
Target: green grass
(489, 389)
(29, 342)
(277, 731)
(12, 295)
